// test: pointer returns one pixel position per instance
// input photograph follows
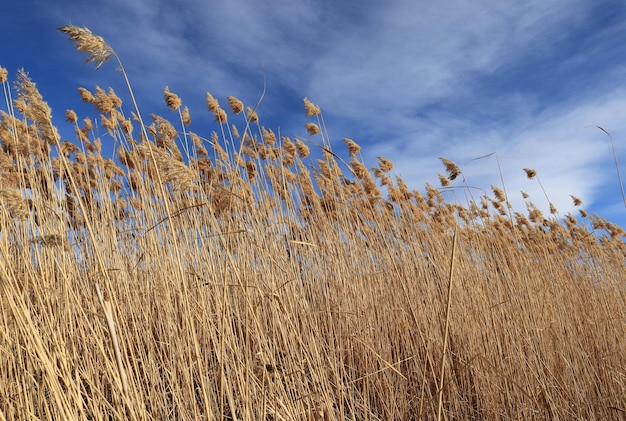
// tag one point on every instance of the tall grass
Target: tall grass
(232, 275)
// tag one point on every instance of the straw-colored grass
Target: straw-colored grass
(240, 275)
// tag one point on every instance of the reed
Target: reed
(246, 276)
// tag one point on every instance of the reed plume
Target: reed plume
(452, 169)
(172, 100)
(242, 275)
(311, 109)
(97, 50)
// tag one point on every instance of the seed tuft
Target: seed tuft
(98, 51)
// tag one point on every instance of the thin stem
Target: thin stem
(619, 176)
(447, 326)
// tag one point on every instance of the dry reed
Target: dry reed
(263, 280)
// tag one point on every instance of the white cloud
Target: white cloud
(570, 154)
(409, 80)
(414, 53)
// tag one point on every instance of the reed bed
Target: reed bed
(242, 275)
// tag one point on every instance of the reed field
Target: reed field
(243, 275)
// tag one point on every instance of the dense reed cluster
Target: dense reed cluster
(243, 275)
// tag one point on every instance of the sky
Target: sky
(528, 82)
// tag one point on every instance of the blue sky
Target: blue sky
(409, 80)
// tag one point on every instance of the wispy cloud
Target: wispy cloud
(571, 155)
(420, 87)
(409, 80)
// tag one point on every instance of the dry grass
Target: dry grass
(241, 278)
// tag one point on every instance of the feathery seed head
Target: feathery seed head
(311, 109)
(530, 173)
(222, 154)
(576, 200)
(370, 187)
(452, 169)
(195, 139)
(212, 103)
(214, 106)
(553, 209)
(71, 116)
(236, 106)
(433, 194)
(359, 169)
(3, 74)
(353, 147)
(110, 123)
(67, 148)
(598, 223)
(289, 147)
(269, 137)
(127, 125)
(186, 117)
(499, 193)
(85, 95)
(99, 52)
(221, 116)
(37, 109)
(250, 152)
(172, 100)
(240, 161)
(21, 106)
(303, 150)
(14, 203)
(313, 129)
(535, 215)
(201, 151)
(378, 173)
(164, 132)
(385, 164)
(235, 131)
(570, 220)
(116, 100)
(87, 124)
(103, 102)
(251, 170)
(253, 117)
(402, 186)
